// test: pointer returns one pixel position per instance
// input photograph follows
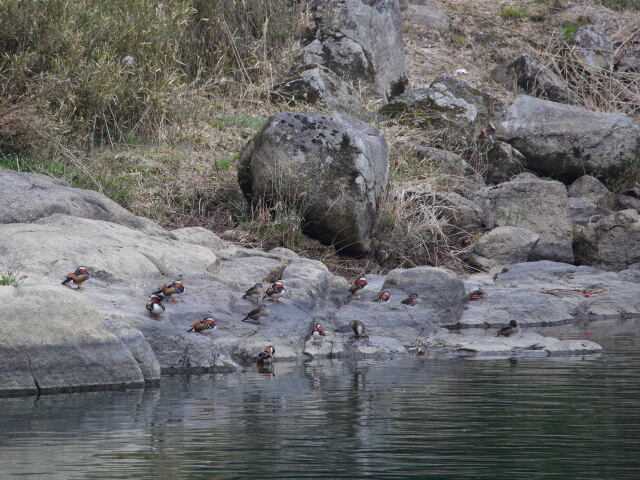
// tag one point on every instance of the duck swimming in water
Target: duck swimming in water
(254, 293)
(275, 291)
(509, 330)
(155, 307)
(167, 291)
(358, 328)
(208, 323)
(78, 277)
(265, 357)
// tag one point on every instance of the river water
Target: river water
(440, 418)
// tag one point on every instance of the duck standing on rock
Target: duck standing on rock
(254, 293)
(78, 277)
(275, 291)
(358, 285)
(166, 291)
(256, 314)
(358, 328)
(208, 323)
(509, 330)
(384, 297)
(318, 330)
(412, 300)
(155, 306)
(265, 357)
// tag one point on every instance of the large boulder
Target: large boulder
(26, 197)
(333, 169)
(594, 50)
(529, 75)
(504, 246)
(360, 41)
(566, 142)
(447, 103)
(52, 339)
(321, 87)
(612, 243)
(537, 205)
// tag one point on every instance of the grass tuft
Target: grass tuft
(11, 278)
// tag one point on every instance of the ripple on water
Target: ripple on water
(405, 419)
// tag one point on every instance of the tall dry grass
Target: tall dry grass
(108, 72)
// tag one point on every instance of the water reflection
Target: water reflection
(409, 418)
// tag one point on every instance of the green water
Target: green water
(395, 419)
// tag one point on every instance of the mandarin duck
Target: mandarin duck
(509, 330)
(476, 295)
(208, 323)
(265, 357)
(155, 306)
(78, 277)
(256, 314)
(358, 328)
(166, 291)
(412, 300)
(383, 297)
(275, 291)
(358, 285)
(254, 293)
(318, 331)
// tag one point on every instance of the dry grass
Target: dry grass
(160, 135)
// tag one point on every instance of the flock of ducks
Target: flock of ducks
(273, 292)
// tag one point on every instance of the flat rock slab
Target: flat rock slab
(549, 293)
(522, 344)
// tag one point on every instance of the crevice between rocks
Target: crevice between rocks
(35, 381)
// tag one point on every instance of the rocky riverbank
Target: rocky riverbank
(54, 338)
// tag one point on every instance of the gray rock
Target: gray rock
(582, 211)
(442, 302)
(199, 236)
(594, 51)
(504, 162)
(451, 169)
(529, 75)
(566, 141)
(631, 274)
(548, 293)
(537, 205)
(359, 41)
(52, 339)
(520, 345)
(321, 87)
(629, 62)
(346, 346)
(430, 15)
(466, 215)
(333, 169)
(507, 245)
(591, 189)
(612, 243)
(624, 202)
(26, 197)
(447, 103)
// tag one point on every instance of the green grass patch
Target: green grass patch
(11, 278)
(508, 12)
(252, 122)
